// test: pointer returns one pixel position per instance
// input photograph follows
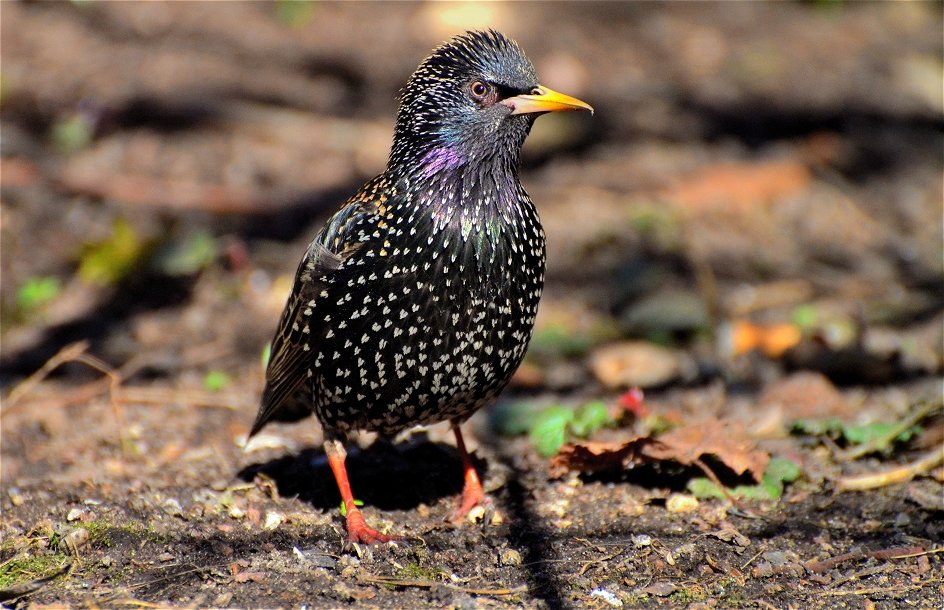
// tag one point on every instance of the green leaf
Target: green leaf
(869, 433)
(550, 430)
(854, 434)
(514, 417)
(36, 292)
(657, 424)
(816, 427)
(805, 316)
(72, 133)
(557, 341)
(589, 418)
(108, 261)
(702, 488)
(783, 469)
(779, 471)
(344, 506)
(762, 491)
(214, 381)
(294, 13)
(190, 255)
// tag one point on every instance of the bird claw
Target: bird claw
(359, 533)
(474, 507)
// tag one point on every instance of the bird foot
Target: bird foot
(359, 533)
(474, 505)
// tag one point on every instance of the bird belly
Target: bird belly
(419, 348)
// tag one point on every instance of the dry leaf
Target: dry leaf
(806, 395)
(724, 440)
(685, 445)
(596, 456)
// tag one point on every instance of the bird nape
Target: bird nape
(415, 303)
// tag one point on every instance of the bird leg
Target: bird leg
(357, 529)
(472, 492)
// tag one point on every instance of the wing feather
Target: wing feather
(287, 396)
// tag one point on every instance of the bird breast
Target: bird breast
(428, 321)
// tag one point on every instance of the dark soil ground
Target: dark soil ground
(750, 228)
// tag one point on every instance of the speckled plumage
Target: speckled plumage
(415, 303)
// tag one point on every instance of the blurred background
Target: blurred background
(749, 229)
(759, 191)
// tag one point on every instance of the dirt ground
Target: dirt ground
(749, 228)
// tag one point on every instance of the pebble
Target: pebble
(476, 514)
(74, 540)
(660, 588)
(780, 558)
(15, 496)
(611, 600)
(222, 600)
(272, 520)
(510, 557)
(172, 507)
(681, 503)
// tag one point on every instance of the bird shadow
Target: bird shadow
(384, 475)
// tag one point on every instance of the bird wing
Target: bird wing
(286, 396)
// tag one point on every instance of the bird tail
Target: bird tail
(292, 408)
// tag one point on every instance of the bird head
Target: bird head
(473, 100)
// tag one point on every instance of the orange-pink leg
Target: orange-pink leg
(472, 492)
(357, 529)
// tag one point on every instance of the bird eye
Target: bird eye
(478, 89)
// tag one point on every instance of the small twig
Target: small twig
(194, 398)
(873, 590)
(751, 560)
(140, 603)
(76, 352)
(589, 563)
(920, 553)
(901, 474)
(880, 442)
(860, 574)
(898, 553)
(175, 575)
(426, 584)
(67, 354)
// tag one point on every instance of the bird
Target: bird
(416, 301)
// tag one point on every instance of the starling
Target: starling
(415, 303)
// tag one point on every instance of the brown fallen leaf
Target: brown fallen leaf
(806, 395)
(594, 456)
(724, 440)
(728, 533)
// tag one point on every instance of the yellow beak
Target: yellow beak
(542, 99)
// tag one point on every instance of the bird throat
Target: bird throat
(478, 206)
